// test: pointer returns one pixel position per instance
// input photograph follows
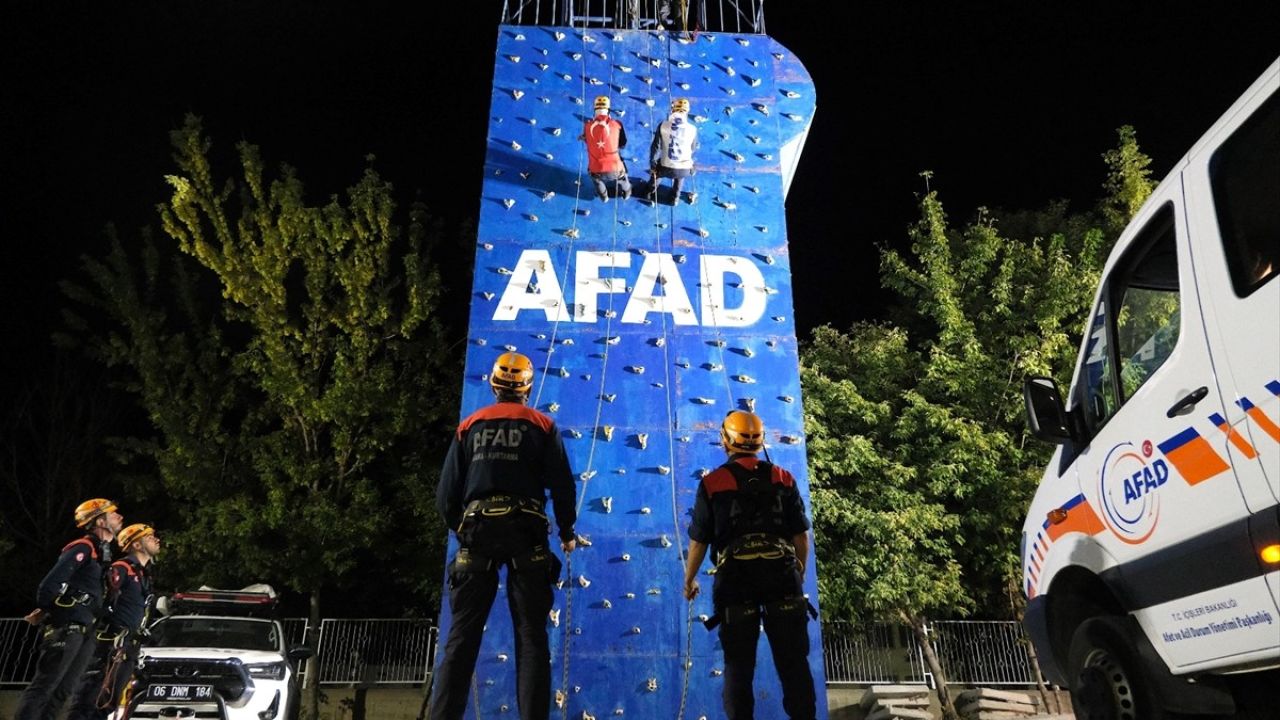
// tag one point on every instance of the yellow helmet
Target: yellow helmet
(602, 103)
(133, 534)
(90, 510)
(680, 105)
(512, 373)
(742, 432)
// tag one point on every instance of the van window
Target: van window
(1245, 173)
(1135, 327)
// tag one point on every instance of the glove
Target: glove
(35, 617)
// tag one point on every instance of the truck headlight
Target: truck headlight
(266, 671)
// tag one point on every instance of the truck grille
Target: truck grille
(227, 677)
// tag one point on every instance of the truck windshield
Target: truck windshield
(230, 633)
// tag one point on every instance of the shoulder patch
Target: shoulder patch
(506, 411)
(85, 543)
(719, 480)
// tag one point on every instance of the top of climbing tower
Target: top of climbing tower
(735, 16)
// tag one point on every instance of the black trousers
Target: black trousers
(64, 654)
(471, 596)
(753, 584)
(89, 693)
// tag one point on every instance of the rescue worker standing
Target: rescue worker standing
(750, 514)
(503, 460)
(121, 630)
(68, 603)
(605, 137)
(671, 152)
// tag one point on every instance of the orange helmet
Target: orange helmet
(680, 105)
(133, 534)
(512, 373)
(742, 432)
(601, 104)
(90, 510)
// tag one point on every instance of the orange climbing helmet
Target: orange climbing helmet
(133, 534)
(680, 105)
(90, 510)
(742, 432)
(602, 103)
(512, 373)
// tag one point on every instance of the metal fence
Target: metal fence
(367, 651)
(735, 16)
(971, 652)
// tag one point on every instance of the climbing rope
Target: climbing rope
(589, 473)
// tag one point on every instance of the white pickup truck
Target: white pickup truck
(219, 654)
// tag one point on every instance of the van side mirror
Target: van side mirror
(1046, 414)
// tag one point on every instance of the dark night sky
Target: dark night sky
(1010, 104)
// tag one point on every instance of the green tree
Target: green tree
(294, 373)
(920, 463)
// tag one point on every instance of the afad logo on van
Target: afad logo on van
(1129, 488)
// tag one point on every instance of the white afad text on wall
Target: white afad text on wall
(659, 288)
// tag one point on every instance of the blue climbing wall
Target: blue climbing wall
(647, 323)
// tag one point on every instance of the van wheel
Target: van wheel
(1108, 680)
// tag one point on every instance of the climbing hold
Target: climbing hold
(606, 604)
(553, 407)
(607, 502)
(508, 202)
(608, 432)
(517, 94)
(645, 511)
(643, 440)
(635, 369)
(744, 379)
(554, 616)
(652, 684)
(584, 582)
(665, 541)
(502, 657)
(664, 470)
(626, 557)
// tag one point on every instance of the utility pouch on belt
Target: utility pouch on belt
(733, 615)
(787, 607)
(536, 560)
(469, 561)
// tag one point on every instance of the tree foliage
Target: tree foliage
(289, 360)
(920, 463)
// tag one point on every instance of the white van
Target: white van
(1151, 552)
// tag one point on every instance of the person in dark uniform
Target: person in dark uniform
(68, 603)
(750, 514)
(120, 632)
(493, 488)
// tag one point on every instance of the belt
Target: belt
(501, 505)
(756, 546)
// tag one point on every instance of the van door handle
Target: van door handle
(1189, 401)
